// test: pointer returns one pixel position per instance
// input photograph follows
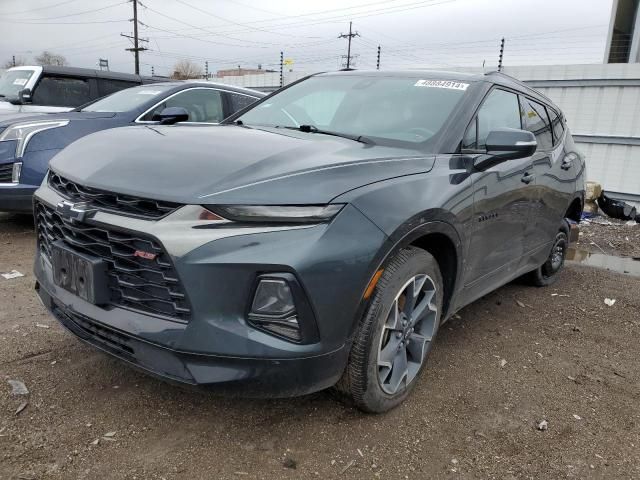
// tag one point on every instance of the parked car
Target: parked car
(35, 89)
(27, 145)
(317, 239)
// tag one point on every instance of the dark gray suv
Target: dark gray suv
(318, 238)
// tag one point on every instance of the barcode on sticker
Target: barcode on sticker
(442, 84)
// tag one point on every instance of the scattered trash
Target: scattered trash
(543, 425)
(21, 407)
(109, 435)
(520, 304)
(559, 295)
(12, 274)
(573, 379)
(503, 362)
(347, 466)
(631, 223)
(18, 388)
(360, 452)
(54, 362)
(41, 325)
(241, 473)
(609, 301)
(577, 417)
(454, 461)
(616, 208)
(290, 463)
(96, 441)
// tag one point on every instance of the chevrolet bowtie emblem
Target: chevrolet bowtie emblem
(74, 211)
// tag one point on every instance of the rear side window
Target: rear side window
(62, 92)
(556, 126)
(238, 101)
(203, 104)
(107, 86)
(499, 110)
(535, 119)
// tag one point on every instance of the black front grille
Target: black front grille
(150, 285)
(111, 202)
(6, 173)
(94, 331)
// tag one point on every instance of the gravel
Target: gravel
(464, 408)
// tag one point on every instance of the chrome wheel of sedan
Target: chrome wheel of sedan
(407, 332)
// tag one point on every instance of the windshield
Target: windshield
(387, 109)
(12, 81)
(128, 99)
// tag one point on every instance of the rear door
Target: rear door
(555, 175)
(502, 198)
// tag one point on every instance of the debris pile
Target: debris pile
(596, 200)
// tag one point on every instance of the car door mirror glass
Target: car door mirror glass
(507, 144)
(171, 115)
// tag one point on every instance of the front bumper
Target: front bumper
(17, 198)
(217, 347)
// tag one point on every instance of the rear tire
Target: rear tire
(548, 273)
(394, 337)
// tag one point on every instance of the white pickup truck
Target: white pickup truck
(43, 89)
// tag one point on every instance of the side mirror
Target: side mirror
(24, 96)
(507, 144)
(171, 115)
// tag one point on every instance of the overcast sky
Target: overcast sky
(228, 33)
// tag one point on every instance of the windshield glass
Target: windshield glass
(128, 99)
(12, 81)
(386, 109)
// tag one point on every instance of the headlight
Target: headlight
(277, 213)
(22, 132)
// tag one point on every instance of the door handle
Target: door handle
(528, 178)
(566, 164)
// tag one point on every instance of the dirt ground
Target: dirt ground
(512, 359)
(610, 236)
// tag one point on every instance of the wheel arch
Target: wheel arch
(439, 238)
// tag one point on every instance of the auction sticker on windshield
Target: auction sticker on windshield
(442, 84)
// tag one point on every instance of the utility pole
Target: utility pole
(501, 54)
(136, 40)
(206, 70)
(14, 60)
(378, 59)
(349, 36)
(281, 69)
(152, 72)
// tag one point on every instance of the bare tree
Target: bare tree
(19, 61)
(49, 58)
(185, 69)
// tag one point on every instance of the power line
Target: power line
(75, 14)
(39, 8)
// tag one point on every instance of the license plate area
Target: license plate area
(80, 274)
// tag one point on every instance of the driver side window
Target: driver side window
(204, 105)
(499, 110)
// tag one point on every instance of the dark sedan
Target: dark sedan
(27, 145)
(318, 239)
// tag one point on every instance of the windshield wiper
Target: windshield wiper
(314, 129)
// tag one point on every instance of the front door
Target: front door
(502, 200)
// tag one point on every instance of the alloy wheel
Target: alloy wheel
(407, 333)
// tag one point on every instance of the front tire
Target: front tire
(395, 336)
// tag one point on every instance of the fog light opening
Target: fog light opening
(273, 309)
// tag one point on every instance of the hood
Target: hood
(229, 164)
(6, 120)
